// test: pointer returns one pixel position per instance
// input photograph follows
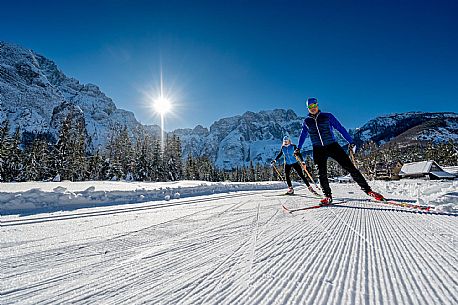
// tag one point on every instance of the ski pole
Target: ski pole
(353, 159)
(306, 171)
(278, 173)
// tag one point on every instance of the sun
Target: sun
(162, 105)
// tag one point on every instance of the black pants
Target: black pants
(299, 171)
(320, 156)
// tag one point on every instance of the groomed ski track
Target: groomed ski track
(239, 248)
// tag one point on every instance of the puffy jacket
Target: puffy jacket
(288, 152)
(320, 127)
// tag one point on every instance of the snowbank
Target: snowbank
(16, 197)
(441, 194)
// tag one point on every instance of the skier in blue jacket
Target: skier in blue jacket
(320, 126)
(287, 150)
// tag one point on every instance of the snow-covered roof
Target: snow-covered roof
(451, 169)
(423, 168)
(442, 174)
(414, 168)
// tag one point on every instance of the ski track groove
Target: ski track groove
(250, 252)
(398, 296)
(395, 234)
(413, 285)
(244, 282)
(113, 211)
(422, 243)
(65, 249)
(230, 241)
(253, 246)
(42, 258)
(159, 262)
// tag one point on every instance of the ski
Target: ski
(405, 204)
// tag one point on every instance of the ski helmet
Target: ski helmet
(312, 100)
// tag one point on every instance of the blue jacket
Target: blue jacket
(288, 153)
(320, 127)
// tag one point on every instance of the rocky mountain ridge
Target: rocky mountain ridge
(36, 96)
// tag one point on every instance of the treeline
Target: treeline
(39, 158)
(132, 157)
(371, 156)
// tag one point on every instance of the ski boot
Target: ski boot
(290, 191)
(376, 196)
(326, 200)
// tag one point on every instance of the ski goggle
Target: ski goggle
(311, 106)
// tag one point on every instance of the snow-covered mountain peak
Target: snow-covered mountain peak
(33, 88)
(384, 128)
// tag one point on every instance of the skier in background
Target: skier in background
(287, 150)
(320, 126)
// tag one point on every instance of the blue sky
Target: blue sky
(222, 58)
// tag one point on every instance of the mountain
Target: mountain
(237, 140)
(405, 128)
(256, 137)
(35, 95)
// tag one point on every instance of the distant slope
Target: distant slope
(414, 126)
(35, 95)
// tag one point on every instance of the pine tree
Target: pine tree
(5, 150)
(251, 176)
(172, 158)
(188, 168)
(64, 149)
(78, 155)
(95, 167)
(157, 164)
(143, 149)
(114, 168)
(14, 162)
(126, 153)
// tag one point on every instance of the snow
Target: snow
(52, 195)
(443, 195)
(451, 169)
(442, 175)
(424, 167)
(27, 196)
(386, 127)
(236, 248)
(421, 167)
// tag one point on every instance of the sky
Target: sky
(218, 59)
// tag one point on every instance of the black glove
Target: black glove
(297, 151)
(273, 162)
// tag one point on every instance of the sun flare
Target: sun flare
(162, 105)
